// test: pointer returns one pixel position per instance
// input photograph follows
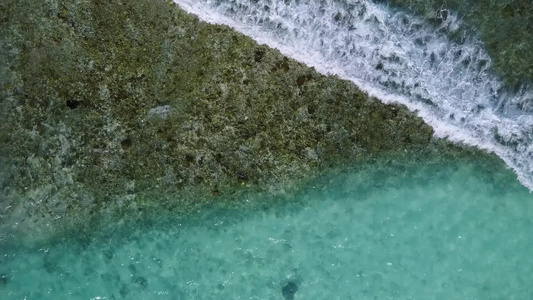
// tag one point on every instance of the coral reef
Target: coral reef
(125, 107)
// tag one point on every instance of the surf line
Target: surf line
(397, 58)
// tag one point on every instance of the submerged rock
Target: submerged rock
(289, 290)
(3, 279)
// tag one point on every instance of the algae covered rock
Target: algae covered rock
(121, 107)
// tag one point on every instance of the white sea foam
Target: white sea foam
(398, 58)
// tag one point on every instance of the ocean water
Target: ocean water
(453, 230)
(398, 57)
(410, 229)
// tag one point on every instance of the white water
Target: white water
(398, 58)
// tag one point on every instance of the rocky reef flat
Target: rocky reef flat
(119, 109)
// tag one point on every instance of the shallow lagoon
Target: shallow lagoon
(455, 230)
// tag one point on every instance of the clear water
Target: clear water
(422, 231)
(397, 57)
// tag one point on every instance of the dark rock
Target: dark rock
(258, 56)
(289, 290)
(126, 143)
(73, 104)
(141, 281)
(3, 279)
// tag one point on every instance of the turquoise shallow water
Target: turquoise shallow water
(441, 231)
